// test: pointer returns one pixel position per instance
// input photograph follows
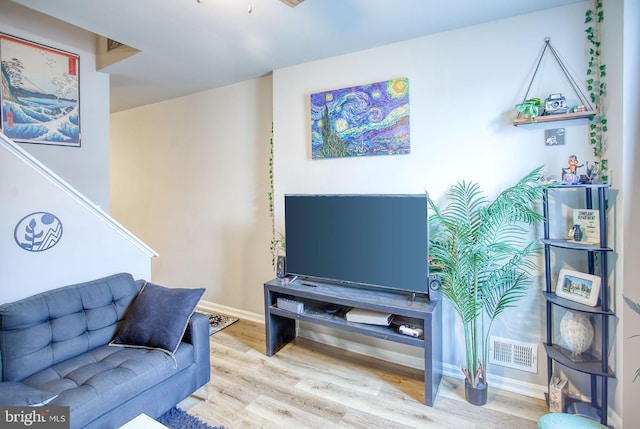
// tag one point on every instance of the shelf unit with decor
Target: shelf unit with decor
(596, 367)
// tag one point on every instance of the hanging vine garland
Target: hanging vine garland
(597, 88)
(277, 244)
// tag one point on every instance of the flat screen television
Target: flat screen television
(362, 240)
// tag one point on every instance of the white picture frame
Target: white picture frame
(579, 287)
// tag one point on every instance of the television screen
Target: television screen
(368, 240)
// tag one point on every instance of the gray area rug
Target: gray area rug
(176, 418)
(218, 322)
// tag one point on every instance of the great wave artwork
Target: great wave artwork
(40, 100)
(371, 119)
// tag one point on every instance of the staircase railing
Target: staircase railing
(40, 168)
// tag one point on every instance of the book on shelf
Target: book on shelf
(558, 394)
(371, 317)
(589, 221)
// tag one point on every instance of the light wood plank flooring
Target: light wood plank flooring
(311, 385)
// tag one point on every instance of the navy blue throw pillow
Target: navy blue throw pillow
(157, 318)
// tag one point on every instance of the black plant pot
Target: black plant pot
(475, 395)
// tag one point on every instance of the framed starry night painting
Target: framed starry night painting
(365, 120)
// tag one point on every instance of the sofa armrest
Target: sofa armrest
(15, 393)
(197, 334)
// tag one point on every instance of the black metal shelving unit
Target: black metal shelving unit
(597, 369)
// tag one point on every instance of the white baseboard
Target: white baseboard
(230, 311)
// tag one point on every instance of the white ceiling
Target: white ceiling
(189, 46)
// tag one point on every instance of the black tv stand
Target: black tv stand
(421, 310)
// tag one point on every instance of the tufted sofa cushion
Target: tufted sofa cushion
(48, 328)
(106, 377)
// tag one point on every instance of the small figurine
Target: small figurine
(591, 174)
(569, 175)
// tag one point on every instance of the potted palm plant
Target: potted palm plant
(481, 251)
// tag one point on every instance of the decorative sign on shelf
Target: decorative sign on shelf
(589, 223)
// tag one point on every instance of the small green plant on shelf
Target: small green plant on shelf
(530, 108)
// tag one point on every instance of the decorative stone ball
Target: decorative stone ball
(577, 331)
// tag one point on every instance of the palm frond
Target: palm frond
(635, 307)
(632, 304)
(516, 202)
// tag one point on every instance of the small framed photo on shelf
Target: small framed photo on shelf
(579, 287)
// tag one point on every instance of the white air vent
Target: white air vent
(513, 354)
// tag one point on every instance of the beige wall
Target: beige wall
(190, 177)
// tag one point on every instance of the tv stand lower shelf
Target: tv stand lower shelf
(326, 304)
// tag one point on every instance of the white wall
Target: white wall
(463, 86)
(87, 167)
(629, 98)
(90, 244)
(190, 177)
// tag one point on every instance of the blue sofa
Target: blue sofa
(56, 349)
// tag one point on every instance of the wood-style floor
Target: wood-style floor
(311, 385)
